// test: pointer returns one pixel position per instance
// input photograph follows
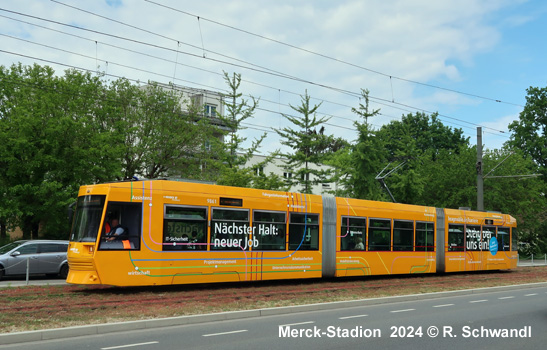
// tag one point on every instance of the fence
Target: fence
(538, 260)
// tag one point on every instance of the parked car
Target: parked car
(44, 257)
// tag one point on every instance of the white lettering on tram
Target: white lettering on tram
(141, 198)
(232, 229)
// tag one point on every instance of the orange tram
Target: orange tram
(171, 232)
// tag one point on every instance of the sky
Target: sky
(470, 61)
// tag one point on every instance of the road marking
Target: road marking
(478, 301)
(224, 333)
(130, 345)
(505, 298)
(444, 305)
(530, 295)
(405, 310)
(295, 324)
(345, 318)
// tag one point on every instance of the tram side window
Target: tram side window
(184, 228)
(425, 236)
(353, 233)
(487, 233)
(514, 240)
(122, 226)
(379, 235)
(403, 235)
(504, 239)
(269, 230)
(473, 238)
(304, 231)
(455, 238)
(230, 229)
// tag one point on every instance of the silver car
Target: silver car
(41, 256)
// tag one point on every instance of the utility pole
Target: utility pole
(480, 177)
(480, 184)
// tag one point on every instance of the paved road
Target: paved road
(462, 322)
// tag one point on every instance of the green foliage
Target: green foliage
(530, 131)
(59, 132)
(367, 156)
(310, 148)
(49, 145)
(415, 140)
(232, 161)
(153, 136)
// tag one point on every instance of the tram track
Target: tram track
(53, 306)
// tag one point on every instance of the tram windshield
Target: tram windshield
(87, 218)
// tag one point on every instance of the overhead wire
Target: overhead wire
(269, 71)
(390, 76)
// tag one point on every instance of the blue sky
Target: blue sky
(488, 50)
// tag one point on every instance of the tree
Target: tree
(414, 139)
(233, 158)
(152, 134)
(367, 157)
(306, 161)
(233, 161)
(449, 178)
(49, 145)
(530, 131)
(522, 197)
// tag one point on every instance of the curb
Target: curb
(69, 332)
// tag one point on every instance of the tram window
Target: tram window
(514, 240)
(487, 233)
(184, 228)
(269, 230)
(425, 236)
(455, 238)
(353, 233)
(304, 231)
(473, 238)
(379, 235)
(230, 229)
(504, 239)
(122, 226)
(403, 235)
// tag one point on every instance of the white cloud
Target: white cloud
(422, 40)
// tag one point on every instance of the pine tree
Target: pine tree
(307, 159)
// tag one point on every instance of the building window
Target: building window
(210, 110)
(287, 175)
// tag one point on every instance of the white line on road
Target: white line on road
(444, 305)
(502, 298)
(478, 301)
(130, 345)
(405, 310)
(224, 333)
(346, 317)
(295, 324)
(530, 295)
